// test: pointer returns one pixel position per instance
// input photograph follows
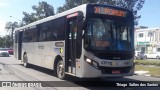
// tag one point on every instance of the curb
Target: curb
(142, 73)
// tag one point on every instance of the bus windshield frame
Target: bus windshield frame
(113, 33)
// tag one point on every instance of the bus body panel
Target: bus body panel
(15, 50)
(29, 49)
(97, 72)
(44, 53)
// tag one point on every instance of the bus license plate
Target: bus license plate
(116, 71)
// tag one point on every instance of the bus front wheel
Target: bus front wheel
(25, 61)
(59, 70)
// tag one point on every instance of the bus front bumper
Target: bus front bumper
(90, 72)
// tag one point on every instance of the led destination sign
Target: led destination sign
(110, 11)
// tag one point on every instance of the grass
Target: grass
(153, 71)
(148, 62)
(153, 66)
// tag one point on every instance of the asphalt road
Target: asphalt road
(12, 70)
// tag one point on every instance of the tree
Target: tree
(68, 5)
(10, 27)
(2, 42)
(41, 11)
(5, 41)
(133, 5)
(8, 41)
(28, 18)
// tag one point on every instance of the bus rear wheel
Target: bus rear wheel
(25, 61)
(59, 70)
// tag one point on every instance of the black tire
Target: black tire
(157, 57)
(25, 61)
(59, 70)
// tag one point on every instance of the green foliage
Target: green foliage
(147, 62)
(28, 18)
(9, 27)
(42, 10)
(2, 43)
(153, 66)
(5, 41)
(68, 5)
(133, 5)
(153, 71)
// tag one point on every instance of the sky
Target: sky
(15, 8)
(149, 13)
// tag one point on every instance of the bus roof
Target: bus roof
(70, 11)
(79, 8)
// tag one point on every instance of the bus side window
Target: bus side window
(30, 35)
(54, 31)
(45, 32)
(53, 36)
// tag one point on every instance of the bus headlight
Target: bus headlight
(88, 60)
(95, 64)
(91, 62)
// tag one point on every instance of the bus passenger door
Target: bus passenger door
(73, 43)
(72, 28)
(20, 35)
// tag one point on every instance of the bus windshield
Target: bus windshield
(108, 35)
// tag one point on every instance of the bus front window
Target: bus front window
(108, 35)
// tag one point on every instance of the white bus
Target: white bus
(87, 41)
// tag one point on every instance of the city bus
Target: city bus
(88, 41)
